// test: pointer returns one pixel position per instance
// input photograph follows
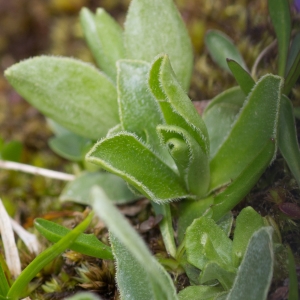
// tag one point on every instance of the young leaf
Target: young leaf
(220, 114)
(113, 186)
(247, 222)
(224, 274)
(139, 113)
(154, 27)
(126, 156)
(203, 292)
(287, 137)
(225, 223)
(72, 93)
(175, 105)
(69, 146)
(206, 241)
(241, 186)
(18, 287)
(280, 15)
(104, 37)
(191, 161)
(293, 280)
(189, 211)
(166, 226)
(87, 244)
(242, 77)
(255, 272)
(139, 275)
(221, 47)
(254, 126)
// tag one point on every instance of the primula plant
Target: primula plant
(134, 119)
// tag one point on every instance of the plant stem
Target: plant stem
(9, 165)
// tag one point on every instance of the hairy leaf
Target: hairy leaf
(191, 161)
(154, 27)
(104, 37)
(254, 126)
(84, 296)
(206, 241)
(247, 222)
(203, 292)
(126, 156)
(175, 105)
(115, 188)
(139, 275)
(71, 92)
(255, 272)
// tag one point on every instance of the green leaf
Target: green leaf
(115, 188)
(206, 241)
(4, 287)
(241, 186)
(191, 161)
(280, 15)
(18, 287)
(242, 77)
(203, 292)
(254, 126)
(104, 37)
(72, 93)
(293, 280)
(84, 296)
(138, 110)
(176, 107)
(139, 275)
(247, 222)
(69, 146)
(255, 272)
(287, 137)
(297, 112)
(221, 47)
(189, 211)
(126, 156)
(225, 275)
(154, 27)
(166, 226)
(220, 114)
(86, 244)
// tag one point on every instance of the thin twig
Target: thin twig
(9, 165)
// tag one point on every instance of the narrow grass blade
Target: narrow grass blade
(154, 27)
(72, 93)
(126, 156)
(293, 53)
(138, 272)
(4, 287)
(287, 137)
(19, 286)
(86, 244)
(280, 15)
